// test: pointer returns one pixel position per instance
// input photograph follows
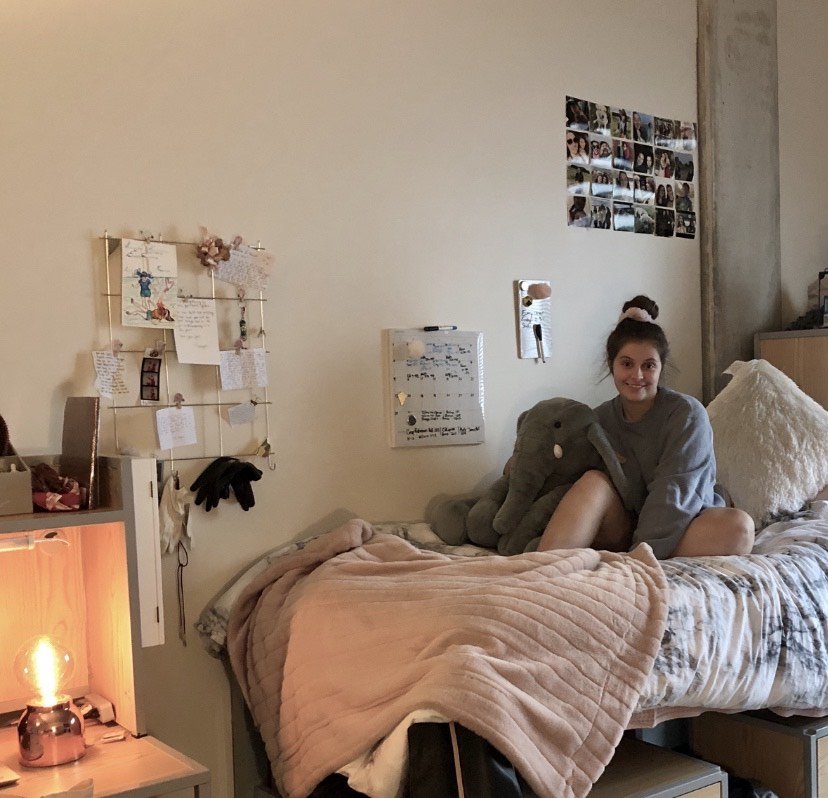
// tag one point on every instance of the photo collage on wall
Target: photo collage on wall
(630, 171)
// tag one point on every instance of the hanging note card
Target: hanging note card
(149, 284)
(110, 379)
(247, 268)
(245, 413)
(176, 427)
(196, 332)
(436, 398)
(243, 369)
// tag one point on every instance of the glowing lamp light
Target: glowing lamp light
(44, 665)
(50, 730)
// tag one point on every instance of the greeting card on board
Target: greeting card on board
(149, 284)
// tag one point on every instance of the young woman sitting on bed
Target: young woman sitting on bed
(665, 444)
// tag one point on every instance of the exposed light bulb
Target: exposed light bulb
(44, 665)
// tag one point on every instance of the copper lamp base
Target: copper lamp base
(50, 735)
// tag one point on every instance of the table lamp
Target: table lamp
(50, 730)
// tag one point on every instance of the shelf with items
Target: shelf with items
(195, 386)
(95, 586)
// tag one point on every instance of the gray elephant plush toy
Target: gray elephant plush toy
(558, 440)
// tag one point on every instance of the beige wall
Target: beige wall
(803, 119)
(402, 159)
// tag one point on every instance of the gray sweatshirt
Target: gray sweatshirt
(668, 459)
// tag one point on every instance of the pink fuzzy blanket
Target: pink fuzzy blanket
(543, 654)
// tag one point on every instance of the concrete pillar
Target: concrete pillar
(738, 181)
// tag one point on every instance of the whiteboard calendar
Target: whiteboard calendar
(435, 388)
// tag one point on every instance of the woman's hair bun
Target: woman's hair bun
(642, 302)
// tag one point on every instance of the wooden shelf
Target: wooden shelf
(133, 768)
(642, 770)
(100, 595)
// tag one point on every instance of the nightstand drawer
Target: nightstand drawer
(788, 755)
(642, 770)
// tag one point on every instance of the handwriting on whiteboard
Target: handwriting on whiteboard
(437, 398)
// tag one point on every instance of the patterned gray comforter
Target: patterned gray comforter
(742, 632)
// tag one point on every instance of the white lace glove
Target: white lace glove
(173, 515)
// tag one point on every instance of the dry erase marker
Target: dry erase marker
(437, 327)
(538, 331)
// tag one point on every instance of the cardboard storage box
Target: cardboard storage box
(15, 486)
(788, 755)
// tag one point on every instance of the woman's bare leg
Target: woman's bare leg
(717, 530)
(589, 514)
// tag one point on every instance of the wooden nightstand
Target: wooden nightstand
(802, 355)
(788, 755)
(137, 767)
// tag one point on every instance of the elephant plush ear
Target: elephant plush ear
(598, 438)
(521, 418)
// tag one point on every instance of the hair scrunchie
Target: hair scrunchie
(639, 314)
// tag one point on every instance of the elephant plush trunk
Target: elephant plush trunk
(525, 486)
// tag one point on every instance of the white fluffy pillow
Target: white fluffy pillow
(771, 440)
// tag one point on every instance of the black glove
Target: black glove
(243, 475)
(213, 484)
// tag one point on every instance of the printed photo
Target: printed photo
(665, 222)
(644, 189)
(150, 375)
(684, 197)
(642, 127)
(664, 194)
(601, 215)
(602, 181)
(601, 152)
(666, 132)
(623, 188)
(620, 123)
(644, 220)
(687, 136)
(599, 119)
(685, 225)
(643, 159)
(577, 147)
(577, 113)
(577, 179)
(664, 164)
(623, 217)
(622, 154)
(577, 212)
(684, 167)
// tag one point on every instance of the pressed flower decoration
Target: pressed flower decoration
(212, 249)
